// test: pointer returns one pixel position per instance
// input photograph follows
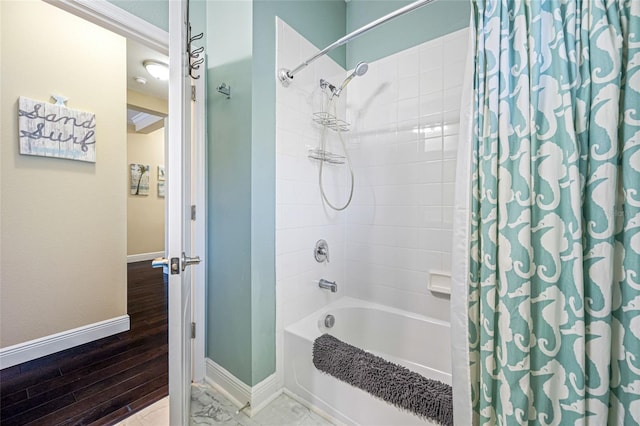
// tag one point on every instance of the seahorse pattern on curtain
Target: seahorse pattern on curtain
(554, 299)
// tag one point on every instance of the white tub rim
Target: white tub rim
(307, 327)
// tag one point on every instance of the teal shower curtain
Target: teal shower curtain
(554, 244)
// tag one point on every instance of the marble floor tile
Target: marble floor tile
(156, 414)
(210, 407)
(285, 411)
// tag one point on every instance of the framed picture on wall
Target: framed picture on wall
(52, 130)
(161, 189)
(139, 179)
(160, 173)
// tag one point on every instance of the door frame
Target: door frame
(111, 17)
(199, 181)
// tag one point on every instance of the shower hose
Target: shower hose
(346, 153)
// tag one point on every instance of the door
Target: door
(179, 220)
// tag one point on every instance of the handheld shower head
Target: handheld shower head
(360, 70)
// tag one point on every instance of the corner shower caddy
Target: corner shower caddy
(326, 156)
(329, 121)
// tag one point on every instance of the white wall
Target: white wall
(405, 112)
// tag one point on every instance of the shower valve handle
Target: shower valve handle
(321, 251)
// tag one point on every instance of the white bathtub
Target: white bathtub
(414, 341)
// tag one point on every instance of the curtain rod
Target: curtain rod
(285, 75)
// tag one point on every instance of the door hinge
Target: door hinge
(193, 212)
(193, 330)
(193, 93)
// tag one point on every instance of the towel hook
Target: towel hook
(225, 90)
(193, 53)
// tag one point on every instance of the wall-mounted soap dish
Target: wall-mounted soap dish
(439, 282)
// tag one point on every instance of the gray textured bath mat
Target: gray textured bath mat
(391, 382)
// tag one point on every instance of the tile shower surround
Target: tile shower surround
(404, 141)
(403, 144)
(301, 218)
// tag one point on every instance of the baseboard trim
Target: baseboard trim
(27, 351)
(238, 392)
(263, 393)
(144, 256)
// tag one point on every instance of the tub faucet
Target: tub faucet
(329, 285)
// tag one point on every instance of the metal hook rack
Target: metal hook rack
(194, 54)
(197, 52)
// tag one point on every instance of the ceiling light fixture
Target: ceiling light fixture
(158, 70)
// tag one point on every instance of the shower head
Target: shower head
(360, 70)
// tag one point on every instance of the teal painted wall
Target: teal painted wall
(198, 14)
(241, 177)
(321, 22)
(229, 311)
(429, 22)
(153, 11)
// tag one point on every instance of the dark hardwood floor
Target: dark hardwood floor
(102, 382)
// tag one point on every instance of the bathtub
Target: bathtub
(417, 342)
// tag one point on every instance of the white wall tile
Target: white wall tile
(447, 217)
(450, 146)
(407, 131)
(452, 98)
(451, 127)
(430, 149)
(451, 119)
(408, 62)
(406, 237)
(301, 218)
(409, 109)
(448, 194)
(449, 170)
(456, 44)
(409, 87)
(431, 103)
(431, 80)
(454, 73)
(430, 217)
(431, 54)
(446, 262)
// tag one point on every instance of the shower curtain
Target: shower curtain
(546, 293)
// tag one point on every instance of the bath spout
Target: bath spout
(328, 285)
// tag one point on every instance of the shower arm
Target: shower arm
(285, 75)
